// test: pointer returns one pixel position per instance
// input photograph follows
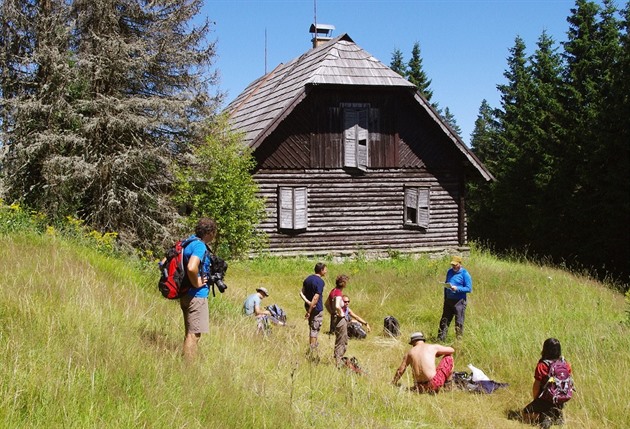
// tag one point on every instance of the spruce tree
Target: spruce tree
(451, 121)
(107, 96)
(592, 53)
(547, 147)
(398, 63)
(416, 74)
(512, 191)
(480, 196)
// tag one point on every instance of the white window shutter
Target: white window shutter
(285, 207)
(350, 138)
(300, 208)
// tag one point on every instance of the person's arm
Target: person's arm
(304, 298)
(339, 306)
(536, 388)
(314, 302)
(356, 317)
(401, 369)
(193, 272)
(466, 285)
(259, 311)
(444, 351)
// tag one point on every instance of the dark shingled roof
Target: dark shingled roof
(265, 103)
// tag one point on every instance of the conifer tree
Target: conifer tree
(398, 63)
(480, 201)
(451, 121)
(101, 99)
(416, 74)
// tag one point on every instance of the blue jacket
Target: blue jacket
(462, 280)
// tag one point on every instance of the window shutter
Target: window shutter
(411, 202)
(300, 208)
(285, 207)
(350, 138)
(423, 207)
(362, 139)
(292, 208)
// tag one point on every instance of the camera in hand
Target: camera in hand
(218, 268)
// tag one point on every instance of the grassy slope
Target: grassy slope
(87, 342)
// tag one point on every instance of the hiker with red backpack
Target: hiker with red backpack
(553, 387)
(194, 302)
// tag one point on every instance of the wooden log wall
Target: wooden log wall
(349, 213)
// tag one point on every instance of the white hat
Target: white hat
(416, 336)
(263, 291)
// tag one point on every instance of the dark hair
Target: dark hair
(319, 267)
(342, 279)
(205, 226)
(551, 349)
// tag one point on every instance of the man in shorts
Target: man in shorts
(194, 303)
(312, 293)
(421, 357)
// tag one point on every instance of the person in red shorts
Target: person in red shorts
(422, 356)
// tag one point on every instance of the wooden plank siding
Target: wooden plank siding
(348, 213)
(352, 210)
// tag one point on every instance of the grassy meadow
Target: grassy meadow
(88, 342)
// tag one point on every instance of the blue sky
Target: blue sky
(464, 43)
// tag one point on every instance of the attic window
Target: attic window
(416, 207)
(355, 135)
(292, 208)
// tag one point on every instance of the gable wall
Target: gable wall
(350, 211)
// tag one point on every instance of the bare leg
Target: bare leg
(190, 346)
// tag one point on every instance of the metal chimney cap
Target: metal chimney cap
(321, 28)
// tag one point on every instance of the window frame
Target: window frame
(416, 206)
(356, 135)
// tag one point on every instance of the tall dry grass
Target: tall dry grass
(88, 342)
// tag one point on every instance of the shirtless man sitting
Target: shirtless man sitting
(422, 357)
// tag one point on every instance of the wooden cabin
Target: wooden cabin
(352, 159)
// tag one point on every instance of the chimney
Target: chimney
(322, 33)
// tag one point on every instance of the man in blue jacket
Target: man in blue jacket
(458, 285)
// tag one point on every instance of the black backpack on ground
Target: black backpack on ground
(355, 330)
(391, 326)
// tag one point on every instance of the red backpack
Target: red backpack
(173, 281)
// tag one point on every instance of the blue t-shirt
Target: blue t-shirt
(462, 280)
(198, 249)
(249, 306)
(312, 285)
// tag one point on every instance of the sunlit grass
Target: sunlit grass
(86, 341)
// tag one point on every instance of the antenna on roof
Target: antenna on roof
(265, 50)
(322, 33)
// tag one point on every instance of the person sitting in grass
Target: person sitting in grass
(543, 410)
(421, 357)
(252, 304)
(352, 316)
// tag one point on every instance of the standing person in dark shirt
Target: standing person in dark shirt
(312, 294)
(458, 286)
